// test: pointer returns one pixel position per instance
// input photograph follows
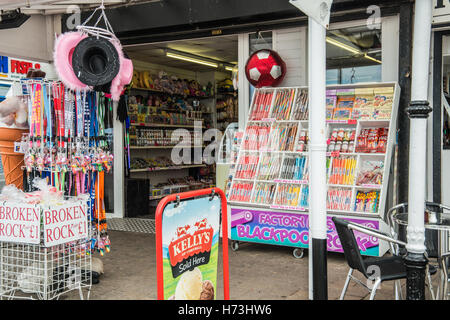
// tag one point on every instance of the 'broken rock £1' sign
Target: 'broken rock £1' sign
(65, 223)
(19, 223)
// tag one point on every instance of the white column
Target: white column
(317, 139)
(416, 190)
(119, 166)
(243, 84)
(418, 127)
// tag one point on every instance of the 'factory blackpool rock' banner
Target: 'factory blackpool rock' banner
(190, 238)
(291, 229)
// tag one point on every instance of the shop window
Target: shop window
(353, 55)
(259, 41)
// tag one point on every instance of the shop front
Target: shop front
(173, 52)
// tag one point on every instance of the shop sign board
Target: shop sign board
(291, 229)
(65, 223)
(15, 69)
(19, 223)
(441, 11)
(188, 235)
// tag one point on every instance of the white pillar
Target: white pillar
(418, 110)
(119, 166)
(418, 127)
(317, 156)
(243, 85)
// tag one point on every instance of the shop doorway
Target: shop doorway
(439, 133)
(445, 128)
(182, 91)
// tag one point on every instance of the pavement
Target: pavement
(257, 272)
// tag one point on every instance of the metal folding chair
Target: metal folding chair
(432, 242)
(383, 268)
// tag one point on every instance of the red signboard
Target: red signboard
(187, 233)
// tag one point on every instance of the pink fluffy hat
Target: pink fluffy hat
(92, 58)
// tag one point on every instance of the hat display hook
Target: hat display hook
(95, 31)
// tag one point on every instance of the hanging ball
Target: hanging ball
(265, 68)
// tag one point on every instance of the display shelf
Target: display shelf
(164, 147)
(168, 168)
(274, 111)
(172, 94)
(163, 125)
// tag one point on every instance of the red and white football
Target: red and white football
(265, 68)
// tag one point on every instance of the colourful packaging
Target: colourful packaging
(360, 201)
(363, 106)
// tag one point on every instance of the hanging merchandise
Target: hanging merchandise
(14, 124)
(265, 68)
(67, 146)
(92, 58)
(235, 78)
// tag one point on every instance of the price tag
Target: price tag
(335, 154)
(20, 147)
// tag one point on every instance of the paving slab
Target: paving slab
(257, 272)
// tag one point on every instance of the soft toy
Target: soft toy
(165, 82)
(185, 85)
(9, 106)
(14, 111)
(192, 88)
(265, 68)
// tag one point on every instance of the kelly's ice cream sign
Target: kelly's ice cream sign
(190, 234)
(191, 247)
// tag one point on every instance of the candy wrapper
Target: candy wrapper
(11, 192)
(46, 194)
(371, 172)
(367, 201)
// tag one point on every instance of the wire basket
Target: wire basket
(34, 271)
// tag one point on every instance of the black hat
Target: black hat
(95, 61)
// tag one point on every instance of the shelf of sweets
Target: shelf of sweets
(151, 169)
(182, 95)
(162, 190)
(163, 125)
(366, 139)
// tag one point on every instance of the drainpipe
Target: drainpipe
(418, 111)
(317, 156)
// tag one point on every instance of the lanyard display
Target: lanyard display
(68, 147)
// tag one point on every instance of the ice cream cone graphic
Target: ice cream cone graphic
(12, 162)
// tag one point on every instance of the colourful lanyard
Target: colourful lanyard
(79, 106)
(68, 115)
(101, 117)
(48, 114)
(93, 120)
(58, 97)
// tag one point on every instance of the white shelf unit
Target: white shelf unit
(358, 125)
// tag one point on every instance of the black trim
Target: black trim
(183, 19)
(320, 278)
(404, 81)
(418, 109)
(437, 116)
(416, 264)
